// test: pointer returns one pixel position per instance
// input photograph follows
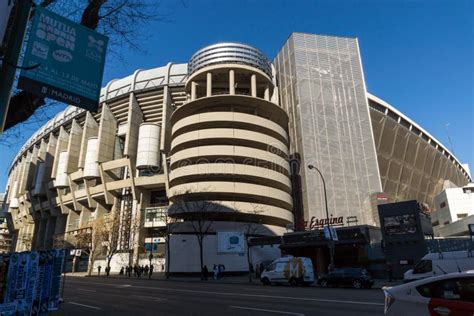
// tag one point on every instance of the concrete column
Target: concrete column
(48, 239)
(60, 226)
(231, 82)
(253, 86)
(267, 93)
(41, 233)
(193, 91)
(209, 84)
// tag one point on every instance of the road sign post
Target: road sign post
(10, 59)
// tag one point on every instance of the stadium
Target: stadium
(219, 146)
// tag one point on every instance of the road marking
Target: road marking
(124, 285)
(243, 295)
(84, 305)
(266, 310)
(150, 297)
(86, 290)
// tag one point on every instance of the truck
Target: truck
(292, 270)
(434, 264)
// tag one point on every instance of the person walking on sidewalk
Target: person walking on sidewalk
(107, 270)
(389, 272)
(216, 272)
(98, 269)
(151, 271)
(257, 271)
(205, 271)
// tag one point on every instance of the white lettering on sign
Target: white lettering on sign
(52, 30)
(65, 96)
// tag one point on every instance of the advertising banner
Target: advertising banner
(11, 278)
(4, 261)
(230, 242)
(46, 281)
(56, 284)
(68, 60)
(22, 282)
(5, 10)
(43, 259)
(32, 278)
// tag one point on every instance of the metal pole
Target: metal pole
(331, 241)
(12, 54)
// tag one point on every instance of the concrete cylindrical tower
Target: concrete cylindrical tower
(148, 153)
(61, 180)
(14, 203)
(229, 148)
(91, 165)
(39, 184)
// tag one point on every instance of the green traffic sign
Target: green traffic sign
(69, 60)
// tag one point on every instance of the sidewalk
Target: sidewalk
(242, 279)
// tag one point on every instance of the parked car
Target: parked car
(434, 264)
(450, 294)
(355, 277)
(292, 270)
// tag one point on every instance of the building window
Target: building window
(461, 216)
(443, 204)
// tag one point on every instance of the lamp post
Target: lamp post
(331, 241)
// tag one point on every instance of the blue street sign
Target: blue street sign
(69, 58)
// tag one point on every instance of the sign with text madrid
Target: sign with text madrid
(64, 61)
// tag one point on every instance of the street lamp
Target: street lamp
(331, 241)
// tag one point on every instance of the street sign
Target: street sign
(69, 60)
(333, 233)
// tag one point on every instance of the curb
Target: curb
(209, 281)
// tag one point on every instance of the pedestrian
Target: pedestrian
(121, 271)
(216, 272)
(107, 270)
(221, 269)
(146, 270)
(389, 272)
(257, 271)
(151, 271)
(135, 271)
(98, 269)
(205, 271)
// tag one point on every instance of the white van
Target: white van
(292, 270)
(440, 263)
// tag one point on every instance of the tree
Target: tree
(111, 235)
(251, 229)
(96, 237)
(199, 215)
(166, 233)
(121, 20)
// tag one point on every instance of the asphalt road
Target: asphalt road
(100, 296)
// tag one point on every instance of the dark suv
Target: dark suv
(356, 277)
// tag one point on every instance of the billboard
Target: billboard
(67, 61)
(399, 224)
(230, 242)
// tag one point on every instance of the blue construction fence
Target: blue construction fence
(31, 282)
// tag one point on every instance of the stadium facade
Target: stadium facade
(221, 145)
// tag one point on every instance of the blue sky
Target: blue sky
(418, 55)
